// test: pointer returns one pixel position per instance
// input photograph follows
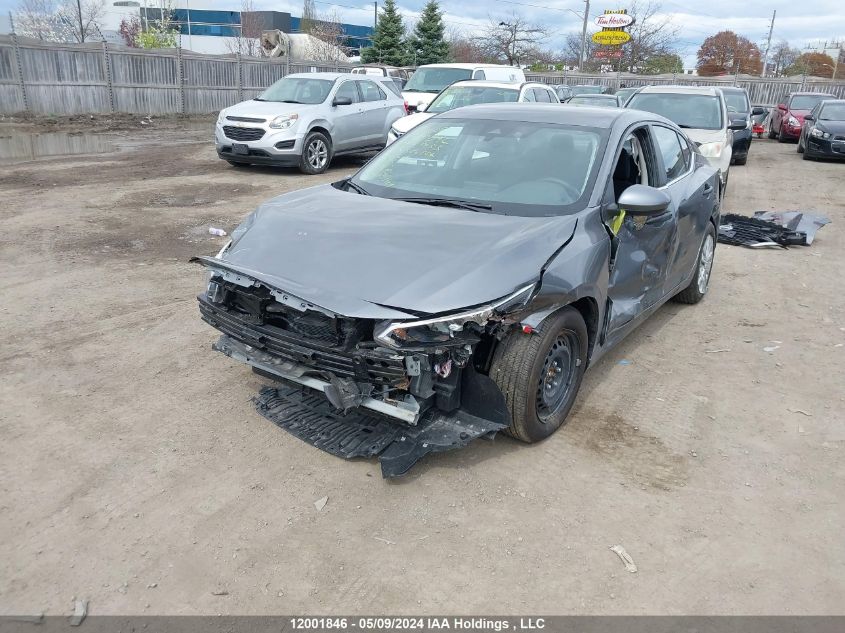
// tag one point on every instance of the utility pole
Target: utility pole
(768, 44)
(584, 37)
(375, 14)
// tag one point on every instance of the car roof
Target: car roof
(327, 76)
(515, 85)
(733, 89)
(836, 101)
(588, 116)
(594, 95)
(680, 90)
(467, 66)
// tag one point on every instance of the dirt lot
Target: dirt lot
(135, 473)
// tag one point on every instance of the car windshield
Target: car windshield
(806, 102)
(700, 112)
(832, 112)
(435, 79)
(510, 167)
(595, 100)
(298, 90)
(737, 102)
(624, 93)
(459, 96)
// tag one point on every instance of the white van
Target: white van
(427, 81)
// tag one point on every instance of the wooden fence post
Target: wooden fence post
(107, 68)
(240, 79)
(19, 62)
(180, 78)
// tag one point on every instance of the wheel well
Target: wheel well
(319, 128)
(589, 310)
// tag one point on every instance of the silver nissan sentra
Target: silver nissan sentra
(307, 119)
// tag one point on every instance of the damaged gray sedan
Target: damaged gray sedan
(461, 282)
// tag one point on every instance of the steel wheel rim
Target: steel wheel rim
(317, 153)
(556, 377)
(705, 264)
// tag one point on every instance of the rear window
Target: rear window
(806, 102)
(737, 102)
(696, 111)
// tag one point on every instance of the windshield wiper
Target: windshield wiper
(357, 188)
(289, 101)
(450, 202)
(258, 99)
(683, 126)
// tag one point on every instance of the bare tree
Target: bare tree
(309, 16)
(783, 56)
(514, 41)
(248, 38)
(652, 34)
(60, 21)
(328, 40)
(571, 53)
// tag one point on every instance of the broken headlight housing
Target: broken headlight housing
(442, 330)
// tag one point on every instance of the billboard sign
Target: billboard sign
(614, 20)
(611, 38)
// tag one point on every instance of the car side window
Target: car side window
(371, 92)
(541, 95)
(479, 74)
(528, 95)
(669, 146)
(348, 89)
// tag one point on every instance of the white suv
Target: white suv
(464, 93)
(306, 119)
(703, 115)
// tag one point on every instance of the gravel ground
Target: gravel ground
(135, 473)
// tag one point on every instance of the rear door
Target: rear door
(693, 196)
(374, 111)
(643, 249)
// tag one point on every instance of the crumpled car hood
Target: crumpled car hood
(350, 253)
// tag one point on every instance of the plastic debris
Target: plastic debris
(384, 540)
(624, 361)
(716, 351)
(739, 230)
(771, 349)
(321, 503)
(798, 221)
(802, 412)
(217, 232)
(80, 610)
(219, 592)
(626, 558)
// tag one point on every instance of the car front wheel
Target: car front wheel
(800, 148)
(703, 267)
(316, 153)
(540, 373)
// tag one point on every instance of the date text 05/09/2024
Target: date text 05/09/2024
(416, 624)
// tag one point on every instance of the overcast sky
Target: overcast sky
(801, 23)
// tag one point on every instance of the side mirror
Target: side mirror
(737, 123)
(339, 101)
(421, 107)
(643, 200)
(810, 118)
(758, 111)
(782, 106)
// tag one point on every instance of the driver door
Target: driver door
(642, 248)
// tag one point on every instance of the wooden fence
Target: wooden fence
(43, 78)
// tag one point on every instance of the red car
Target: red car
(788, 117)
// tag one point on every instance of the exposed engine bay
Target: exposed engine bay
(419, 372)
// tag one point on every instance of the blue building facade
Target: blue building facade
(228, 24)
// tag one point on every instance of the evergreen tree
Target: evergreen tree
(388, 39)
(426, 45)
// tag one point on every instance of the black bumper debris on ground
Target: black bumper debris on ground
(770, 229)
(311, 418)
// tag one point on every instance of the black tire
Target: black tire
(741, 161)
(316, 153)
(772, 134)
(782, 138)
(800, 148)
(527, 366)
(697, 289)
